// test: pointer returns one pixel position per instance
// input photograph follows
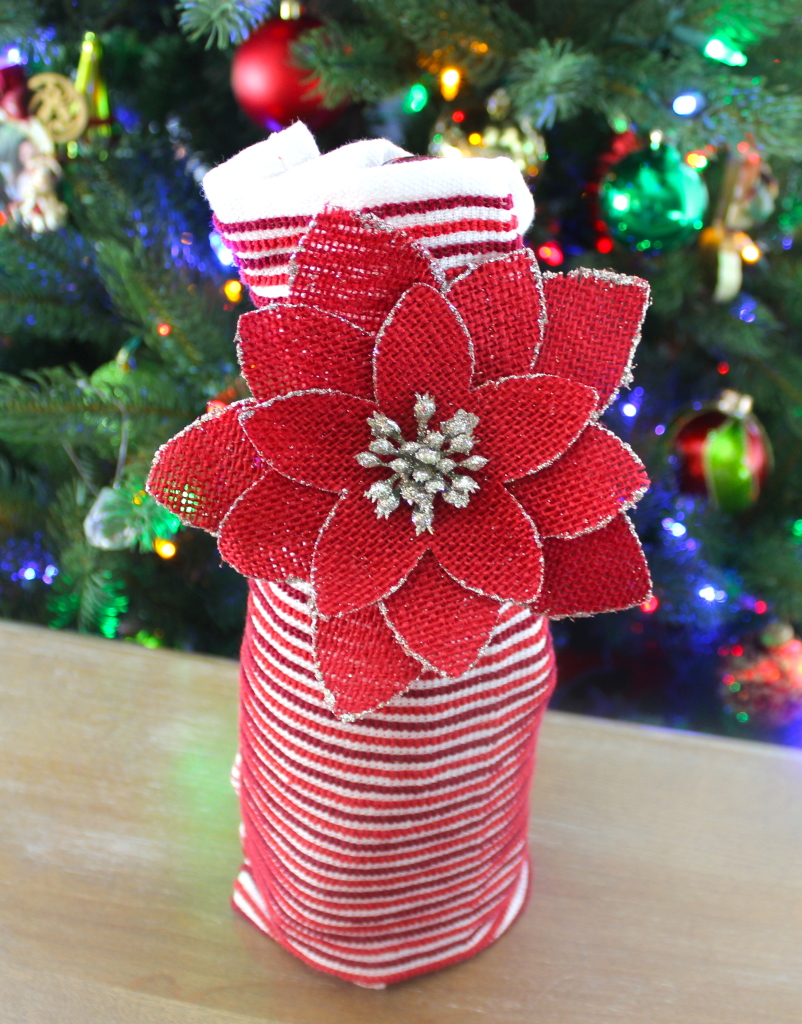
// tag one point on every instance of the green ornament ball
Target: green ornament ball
(652, 199)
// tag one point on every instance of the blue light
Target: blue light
(660, 429)
(788, 241)
(630, 410)
(224, 255)
(688, 103)
(745, 309)
(674, 528)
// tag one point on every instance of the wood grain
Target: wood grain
(667, 867)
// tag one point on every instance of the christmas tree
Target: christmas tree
(659, 140)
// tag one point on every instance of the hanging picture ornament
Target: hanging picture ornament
(29, 170)
(761, 681)
(490, 132)
(270, 87)
(746, 198)
(652, 199)
(724, 453)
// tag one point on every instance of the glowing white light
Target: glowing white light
(678, 530)
(687, 103)
(13, 56)
(29, 573)
(628, 409)
(708, 593)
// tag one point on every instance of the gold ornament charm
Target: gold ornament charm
(57, 104)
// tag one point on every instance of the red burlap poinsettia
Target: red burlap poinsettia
(421, 451)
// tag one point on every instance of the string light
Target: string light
(604, 245)
(696, 160)
(164, 548)
(650, 606)
(723, 368)
(458, 116)
(761, 607)
(450, 79)
(688, 103)
(163, 330)
(750, 253)
(475, 139)
(550, 253)
(717, 49)
(416, 99)
(233, 290)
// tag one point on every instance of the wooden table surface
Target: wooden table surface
(668, 867)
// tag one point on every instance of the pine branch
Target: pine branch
(474, 36)
(225, 22)
(552, 82)
(356, 64)
(50, 407)
(20, 20)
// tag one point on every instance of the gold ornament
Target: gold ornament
(518, 141)
(57, 104)
(498, 134)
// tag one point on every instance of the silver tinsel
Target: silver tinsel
(423, 468)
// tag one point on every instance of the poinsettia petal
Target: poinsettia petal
(360, 558)
(603, 571)
(594, 322)
(491, 546)
(202, 471)
(361, 662)
(527, 422)
(270, 531)
(353, 266)
(421, 348)
(597, 478)
(501, 304)
(312, 437)
(285, 347)
(439, 620)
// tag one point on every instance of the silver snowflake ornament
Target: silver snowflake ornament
(423, 468)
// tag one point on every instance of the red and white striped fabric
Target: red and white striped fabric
(264, 198)
(391, 846)
(396, 844)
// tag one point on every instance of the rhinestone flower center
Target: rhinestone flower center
(437, 462)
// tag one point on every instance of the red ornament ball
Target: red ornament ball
(269, 86)
(723, 452)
